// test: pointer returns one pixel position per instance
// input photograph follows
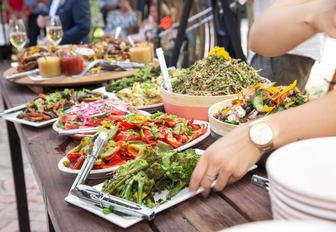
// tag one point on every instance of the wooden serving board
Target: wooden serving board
(68, 81)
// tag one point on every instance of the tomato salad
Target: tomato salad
(129, 138)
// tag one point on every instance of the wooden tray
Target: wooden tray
(68, 81)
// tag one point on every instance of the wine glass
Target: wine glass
(17, 33)
(54, 29)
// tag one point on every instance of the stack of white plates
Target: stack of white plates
(303, 180)
(283, 226)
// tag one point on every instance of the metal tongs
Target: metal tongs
(103, 200)
(100, 199)
(106, 64)
(260, 182)
(77, 131)
(22, 74)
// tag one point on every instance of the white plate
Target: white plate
(283, 226)
(127, 221)
(307, 209)
(289, 212)
(13, 118)
(94, 174)
(107, 171)
(112, 95)
(307, 167)
(301, 198)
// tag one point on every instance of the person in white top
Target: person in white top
(296, 64)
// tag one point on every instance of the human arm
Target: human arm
(82, 23)
(288, 23)
(231, 156)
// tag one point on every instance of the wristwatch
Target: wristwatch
(261, 135)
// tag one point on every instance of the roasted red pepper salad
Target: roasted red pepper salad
(129, 137)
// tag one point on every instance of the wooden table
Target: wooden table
(237, 204)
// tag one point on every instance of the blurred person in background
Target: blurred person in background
(148, 27)
(125, 18)
(37, 7)
(14, 9)
(75, 17)
(106, 6)
(296, 64)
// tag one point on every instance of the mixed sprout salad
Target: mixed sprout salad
(260, 100)
(216, 75)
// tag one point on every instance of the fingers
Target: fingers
(207, 180)
(222, 181)
(198, 174)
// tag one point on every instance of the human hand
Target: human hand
(42, 21)
(228, 159)
(322, 16)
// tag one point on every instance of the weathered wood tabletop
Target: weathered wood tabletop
(239, 203)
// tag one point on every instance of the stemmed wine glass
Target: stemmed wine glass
(17, 33)
(54, 30)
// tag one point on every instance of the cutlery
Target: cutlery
(164, 70)
(77, 131)
(260, 182)
(109, 64)
(14, 109)
(22, 74)
(100, 199)
(103, 200)
(99, 142)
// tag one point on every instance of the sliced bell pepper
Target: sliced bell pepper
(79, 163)
(127, 136)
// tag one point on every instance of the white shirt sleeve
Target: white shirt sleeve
(53, 8)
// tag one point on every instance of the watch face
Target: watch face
(261, 134)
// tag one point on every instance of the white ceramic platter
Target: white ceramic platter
(13, 118)
(127, 221)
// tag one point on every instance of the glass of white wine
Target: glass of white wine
(17, 33)
(54, 30)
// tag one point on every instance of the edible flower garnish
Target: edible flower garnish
(219, 51)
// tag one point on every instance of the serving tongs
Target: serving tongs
(22, 74)
(260, 181)
(103, 200)
(76, 131)
(106, 64)
(100, 199)
(12, 110)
